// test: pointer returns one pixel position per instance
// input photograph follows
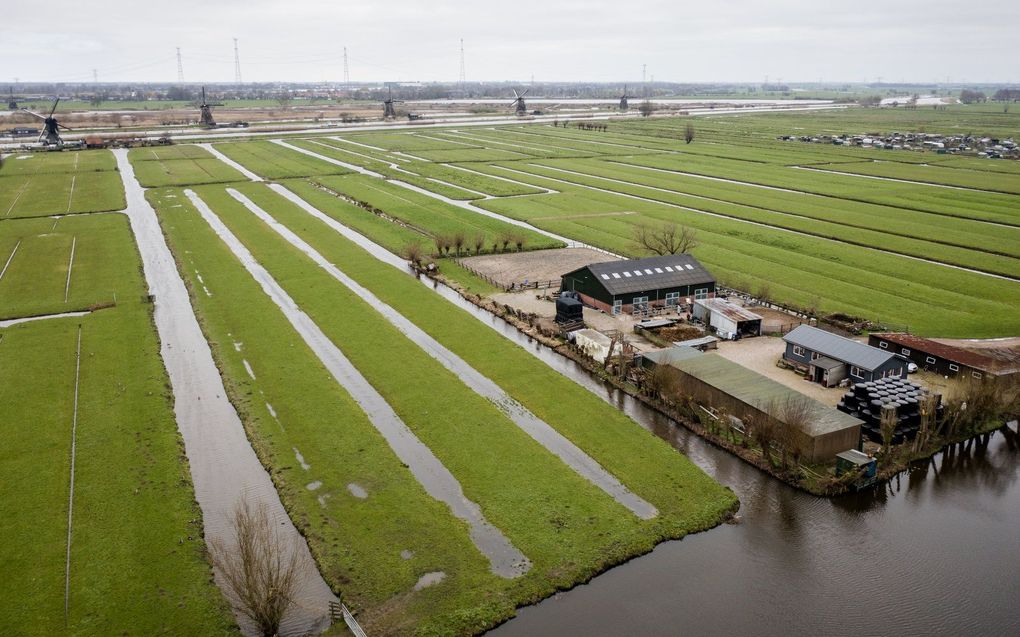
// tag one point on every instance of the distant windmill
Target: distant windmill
(389, 112)
(51, 127)
(12, 104)
(518, 103)
(623, 99)
(206, 109)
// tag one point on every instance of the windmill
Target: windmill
(623, 99)
(518, 103)
(206, 109)
(389, 112)
(12, 104)
(51, 127)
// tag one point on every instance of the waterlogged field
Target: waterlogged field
(773, 217)
(127, 542)
(373, 528)
(41, 184)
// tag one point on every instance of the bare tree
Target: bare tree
(887, 425)
(646, 108)
(763, 430)
(519, 240)
(413, 252)
(505, 239)
(479, 242)
(928, 404)
(458, 241)
(260, 571)
(667, 238)
(689, 133)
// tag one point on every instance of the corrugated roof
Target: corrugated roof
(838, 347)
(948, 352)
(759, 391)
(731, 311)
(653, 273)
(672, 355)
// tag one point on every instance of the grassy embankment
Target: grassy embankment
(569, 529)
(137, 560)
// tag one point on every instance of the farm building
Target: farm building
(637, 285)
(949, 360)
(829, 358)
(729, 387)
(729, 320)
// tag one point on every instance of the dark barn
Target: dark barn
(635, 286)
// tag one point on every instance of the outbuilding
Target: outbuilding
(949, 360)
(636, 286)
(829, 358)
(730, 321)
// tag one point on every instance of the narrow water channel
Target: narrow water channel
(224, 467)
(934, 552)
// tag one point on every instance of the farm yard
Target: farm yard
(440, 475)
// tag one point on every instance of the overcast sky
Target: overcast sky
(593, 40)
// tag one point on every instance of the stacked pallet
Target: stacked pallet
(868, 401)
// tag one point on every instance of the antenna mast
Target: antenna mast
(180, 67)
(237, 64)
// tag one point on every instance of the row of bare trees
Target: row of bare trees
(461, 244)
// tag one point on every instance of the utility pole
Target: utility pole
(237, 64)
(95, 76)
(463, 73)
(644, 80)
(347, 72)
(180, 67)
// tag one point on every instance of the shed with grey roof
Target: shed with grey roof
(637, 285)
(828, 358)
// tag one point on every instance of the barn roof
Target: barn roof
(653, 273)
(731, 311)
(838, 347)
(951, 353)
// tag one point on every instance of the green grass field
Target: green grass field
(273, 161)
(180, 166)
(41, 184)
(814, 239)
(568, 528)
(137, 559)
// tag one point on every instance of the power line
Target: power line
(237, 64)
(180, 67)
(463, 74)
(347, 72)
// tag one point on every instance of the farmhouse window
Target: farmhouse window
(640, 303)
(815, 356)
(954, 368)
(856, 372)
(930, 359)
(883, 345)
(701, 293)
(905, 351)
(976, 374)
(672, 299)
(798, 350)
(617, 306)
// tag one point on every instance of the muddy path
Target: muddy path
(504, 558)
(224, 467)
(536, 428)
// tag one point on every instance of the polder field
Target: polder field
(117, 549)
(440, 473)
(909, 240)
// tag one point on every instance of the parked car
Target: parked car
(911, 368)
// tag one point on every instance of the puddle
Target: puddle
(429, 579)
(301, 460)
(357, 491)
(406, 555)
(313, 486)
(437, 480)
(223, 465)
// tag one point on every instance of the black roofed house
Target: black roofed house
(829, 358)
(636, 285)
